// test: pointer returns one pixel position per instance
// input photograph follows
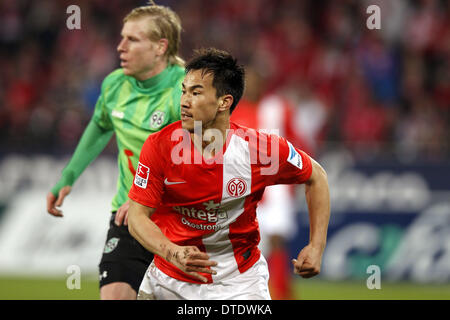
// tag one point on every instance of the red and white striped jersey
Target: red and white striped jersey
(212, 203)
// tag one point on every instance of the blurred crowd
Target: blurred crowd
(379, 93)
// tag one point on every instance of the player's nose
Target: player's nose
(185, 102)
(121, 46)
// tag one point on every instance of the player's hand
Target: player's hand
(191, 261)
(308, 262)
(53, 202)
(122, 214)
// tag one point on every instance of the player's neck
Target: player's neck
(209, 142)
(157, 69)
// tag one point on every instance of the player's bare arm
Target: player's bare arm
(53, 202)
(309, 260)
(189, 259)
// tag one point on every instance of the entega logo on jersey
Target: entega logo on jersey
(211, 213)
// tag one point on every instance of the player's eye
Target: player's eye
(196, 93)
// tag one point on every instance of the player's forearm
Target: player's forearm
(146, 232)
(318, 201)
(92, 143)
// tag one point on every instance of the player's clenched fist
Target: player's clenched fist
(191, 261)
(308, 262)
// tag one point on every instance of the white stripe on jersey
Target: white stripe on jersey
(236, 164)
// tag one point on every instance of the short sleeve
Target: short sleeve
(147, 187)
(294, 164)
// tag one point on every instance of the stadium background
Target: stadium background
(373, 106)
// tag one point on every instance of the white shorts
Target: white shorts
(250, 285)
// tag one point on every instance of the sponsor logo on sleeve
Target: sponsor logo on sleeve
(141, 177)
(294, 157)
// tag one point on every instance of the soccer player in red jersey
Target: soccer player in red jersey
(198, 182)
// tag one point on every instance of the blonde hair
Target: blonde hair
(167, 25)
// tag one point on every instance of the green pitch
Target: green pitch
(18, 288)
(316, 289)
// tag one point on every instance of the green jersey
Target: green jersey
(133, 110)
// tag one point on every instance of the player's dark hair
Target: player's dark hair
(228, 75)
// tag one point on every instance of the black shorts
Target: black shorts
(124, 259)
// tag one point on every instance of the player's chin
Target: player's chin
(187, 124)
(127, 71)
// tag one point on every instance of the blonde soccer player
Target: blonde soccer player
(139, 98)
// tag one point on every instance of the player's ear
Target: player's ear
(225, 102)
(163, 44)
